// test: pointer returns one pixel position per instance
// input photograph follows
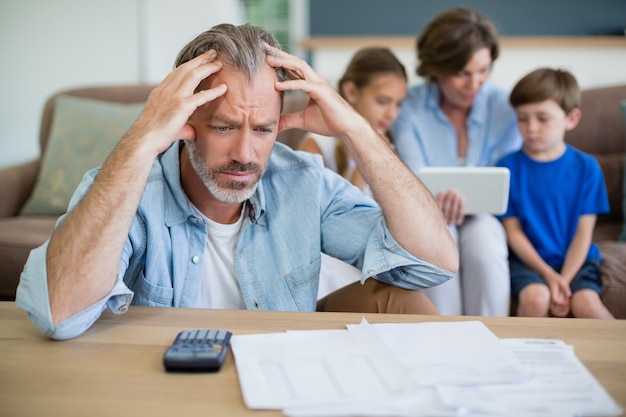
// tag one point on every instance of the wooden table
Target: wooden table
(115, 368)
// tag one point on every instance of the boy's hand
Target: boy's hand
(559, 297)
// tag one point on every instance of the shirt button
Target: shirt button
(123, 309)
(194, 220)
(195, 259)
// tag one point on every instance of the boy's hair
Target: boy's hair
(547, 84)
(451, 38)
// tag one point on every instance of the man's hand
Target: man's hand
(169, 106)
(327, 113)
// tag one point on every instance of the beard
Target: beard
(224, 190)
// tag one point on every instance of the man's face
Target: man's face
(235, 133)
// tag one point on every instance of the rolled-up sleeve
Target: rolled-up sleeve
(387, 261)
(32, 296)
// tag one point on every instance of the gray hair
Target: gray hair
(242, 46)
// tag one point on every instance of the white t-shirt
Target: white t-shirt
(220, 287)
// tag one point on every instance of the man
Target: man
(198, 207)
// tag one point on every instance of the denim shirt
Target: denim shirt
(299, 209)
(424, 136)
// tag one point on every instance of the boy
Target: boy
(556, 193)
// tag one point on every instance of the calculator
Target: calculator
(197, 350)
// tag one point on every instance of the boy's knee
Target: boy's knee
(587, 304)
(534, 301)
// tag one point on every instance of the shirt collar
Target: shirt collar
(478, 112)
(179, 208)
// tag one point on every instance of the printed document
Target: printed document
(413, 370)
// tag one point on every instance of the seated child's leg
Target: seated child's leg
(530, 289)
(587, 304)
(586, 289)
(534, 301)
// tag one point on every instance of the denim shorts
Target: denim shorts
(588, 277)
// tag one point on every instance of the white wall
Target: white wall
(47, 46)
(592, 66)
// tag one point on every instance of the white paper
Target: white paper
(437, 369)
(424, 403)
(560, 386)
(279, 370)
(457, 353)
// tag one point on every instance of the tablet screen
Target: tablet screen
(485, 189)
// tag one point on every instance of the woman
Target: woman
(457, 118)
(374, 83)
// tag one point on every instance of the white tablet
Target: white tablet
(485, 189)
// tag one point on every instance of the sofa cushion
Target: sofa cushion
(613, 271)
(623, 235)
(18, 236)
(613, 169)
(84, 131)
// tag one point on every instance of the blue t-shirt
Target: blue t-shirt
(424, 136)
(549, 197)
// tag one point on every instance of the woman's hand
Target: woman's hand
(453, 206)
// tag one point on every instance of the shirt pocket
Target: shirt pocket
(149, 293)
(303, 284)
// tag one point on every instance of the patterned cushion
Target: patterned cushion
(83, 133)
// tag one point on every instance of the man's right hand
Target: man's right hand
(170, 104)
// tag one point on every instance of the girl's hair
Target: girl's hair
(547, 84)
(368, 63)
(451, 38)
(365, 65)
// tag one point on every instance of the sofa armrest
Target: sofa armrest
(16, 185)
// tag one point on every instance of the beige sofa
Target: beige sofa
(19, 234)
(600, 133)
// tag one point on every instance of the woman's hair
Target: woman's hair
(451, 38)
(547, 84)
(365, 65)
(241, 46)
